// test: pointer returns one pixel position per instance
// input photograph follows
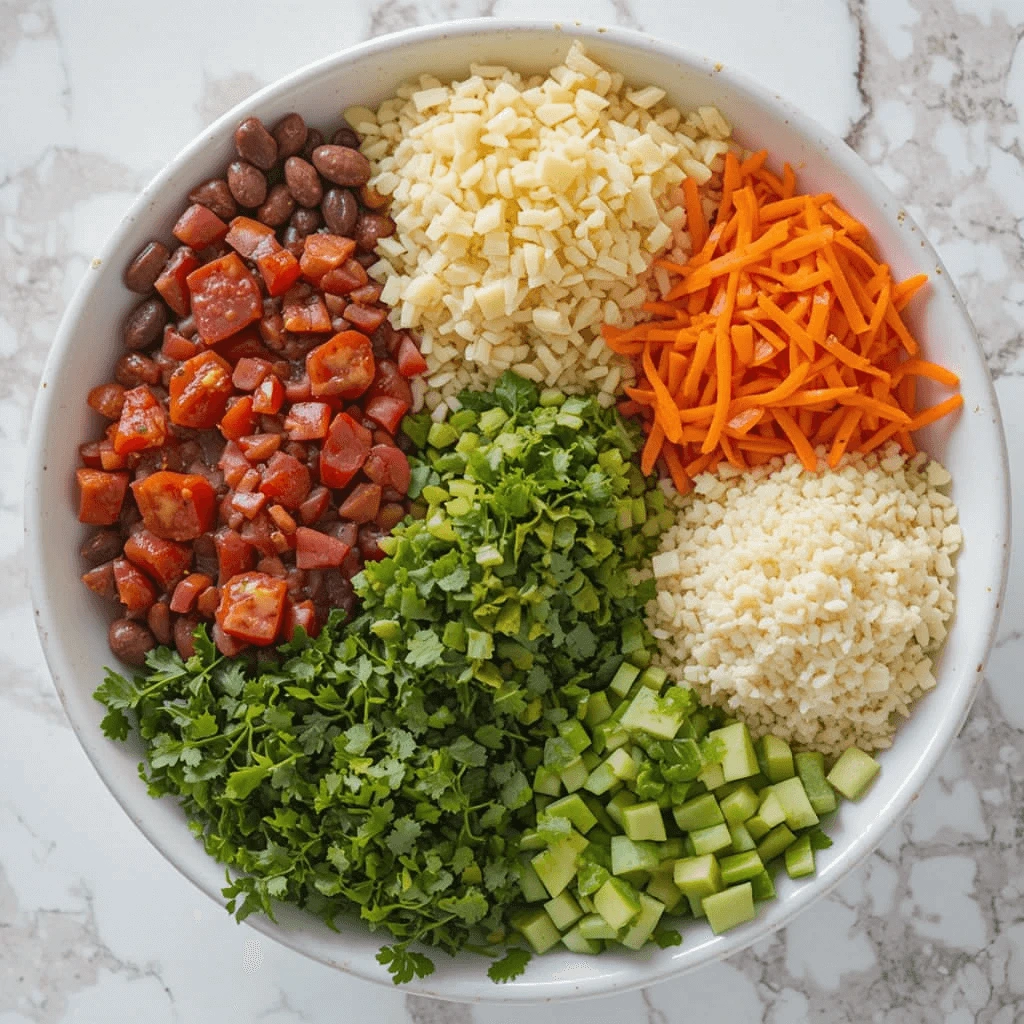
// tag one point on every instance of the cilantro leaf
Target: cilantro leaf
(510, 966)
(403, 965)
(666, 937)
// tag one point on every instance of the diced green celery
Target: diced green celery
(637, 934)
(609, 736)
(742, 840)
(537, 928)
(586, 903)
(763, 886)
(641, 658)
(533, 710)
(697, 876)
(853, 773)
(694, 903)
(622, 764)
(595, 928)
(775, 758)
(479, 645)
(740, 804)
(574, 734)
(598, 709)
(646, 714)
(601, 779)
(740, 867)
(712, 776)
(551, 398)
(618, 804)
(775, 843)
(574, 774)
(791, 795)
(672, 848)
(454, 635)
(617, 902)
(434, 495)
(740, 761)
(556, 866)
(699, 812)
(530, 883)
(591, 759)
(541, 801)
(597, 809)
(654, 678)
(643, 821)
(810, 766)
(711, 840)
(440, 526)
(800, 858)
(458, 507)
(489, 555)
(629, 856)
(634, 633)
(546, 780)
(573, 808)
(625, 676)
(729, 908)
(575, 941)
(662, 888)
(467, 442)
(639, 511)
(491, 421)
(563, 910)
(442, 435)
(532, 840)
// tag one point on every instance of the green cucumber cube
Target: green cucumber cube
(617, 902)
(740, 804)
(810, 766)
(596, 808)
(653, 678)
(624, 678)
(697, 876)
(622, 764)
(793, 797)
(740, 760)
(629, 856)
(556, 866)
(537, 928)
(591, 759)
(573, 808)
(739, 867)
(574, 734)
(771, 811)
(637, 934)
(763, 886)
(442, 435)
(576, 942)
(644, 821)
(672, 849)
(646, 714)
(618, 804)
(729, 908)
(609, 736)
(595, 927)
(775, 758)
(800, 858)
(491, 421)
(563, 910)
(775, 843)
(699, 812)
(601, 779)
(712, 776)
(599, 709)
(742, 840)
(853, 773)
(546, 780)
(662, 888)
(531, 885)
(532, 840)
(711, 840)
(574, 774)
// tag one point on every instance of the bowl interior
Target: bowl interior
(72, 623)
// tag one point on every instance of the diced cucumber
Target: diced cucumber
(491, 421)
(546, 780)
(694, 903)
(711, 840)
(574, 734)
(598, 709)
(595, 927)
(596, 808)
(629, 856)
(672, 849)
(637, 934)
(531, 885)
(601, 779)
(740, 760)
(740, 867)
(617, 902)
(763, 886)
(563, 910)
(556, 866)
(654, 678)
(699, 812)
(742, 840)
(537, 928)
(646, 714)
(853, 773)
(800, 858)
(442, 435)
(769, 814)
(775, 843)
(712, 776)
(740, 804)
(775, 758)
(609, 735)
(791, 795)
(729, 908)
(697, 876)
(625, 676)
(618, 804)
(622, 764)
(573, 808)
(810, 766)
(574, 775)
(644, 821)
(576, 942)
(662, 888)
(590, 759)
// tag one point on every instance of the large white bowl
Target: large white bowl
(72, 624)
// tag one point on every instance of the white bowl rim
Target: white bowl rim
(666, 964)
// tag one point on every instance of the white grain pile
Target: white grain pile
(810, 605)
(529, 211)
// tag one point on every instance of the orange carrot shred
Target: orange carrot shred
(696, 223)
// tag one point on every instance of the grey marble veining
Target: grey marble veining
(94, 925)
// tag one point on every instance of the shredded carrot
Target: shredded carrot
(695, 220)
(923, 368)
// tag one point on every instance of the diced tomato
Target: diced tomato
(107, 400)
(176, 506)
(368, 294)
(323, 252)
(410, 360)
(260, 532)
(102, 495)
(249, 504)
(390, 515)
(172, 284)
(344, 451)
(134, 591)
(162, 559)
(91, 453)
(269, 396)
(199, 227)
(233, 464)
(143, 422)
(363, 504)
(316, 550)
(259, 447)
(307, 421)
(365, 318)
(249, 373)
(302, 614)
(280, 271)
(200, 389)
(388, 382)
(207, 601)
(239, 420)
(369, 546)
(100, 581)
(251, 238)
(185, 593)
(298, 389)
(388, 412)
(109, 459)
(388, 466)
(342, 366)
(176, 347)
(225, 298)
(345, 279)
(286, 480)
(234, 554)
(304, 311)
(251, 607)
(315, 505)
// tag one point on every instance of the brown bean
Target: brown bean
(145, 324)
(340, 211)
(305, 221)
(314, 139)
(107, 400)
(370, 228)
(102, 546)
(272, 331)
(303, 181)
(143, 271)
(130, 641)
(290, 134)
(293, 241)
(255, 144)
(370, 197)
(248, 184)
(184, 627)
(100, 580)
(215, 195)
(342, 165)
(133, 369)
(345, 136)
(186, 327)
(158, 618)
(278, 206)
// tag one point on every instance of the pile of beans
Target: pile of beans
(253, 457)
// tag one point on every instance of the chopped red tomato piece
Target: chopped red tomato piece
(388, 466)
(239, 420)
(233, 464)
(134, 591)
(269, 396)
(251, 607)
(302, 614)
(177, 347)
(185, 593)
(345, 279)
(249, 372)
(316, 550)
(342, 366)
(363, 504)
(364, 318)
(259, 447)
(298, 389)
(162, 559)
(280, 270)
(368, 294)
(225, 298)
(234, 554)
(109, 459)
(315, 505)
(344, 451)
(102, 495)
(250, 504)
(323, 252)
(307, 421)
(200, 389)
(199, 227)
(251, 238)
(107, 400)
(286, 480)
(388, 412)
(262, 533)
(388, 382)
(143, 422)
(172, 282)
(304, 311)
(410, 360)
(91, 454)
(175, 506)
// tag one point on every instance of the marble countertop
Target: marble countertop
(94, 924)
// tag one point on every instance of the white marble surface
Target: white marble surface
(94, 926)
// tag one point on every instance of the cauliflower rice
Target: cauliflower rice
(810, 605)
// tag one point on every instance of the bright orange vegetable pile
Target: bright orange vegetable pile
(783, 333)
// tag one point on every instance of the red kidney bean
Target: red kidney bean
(186, 327)
(247, 183)
(134, 369)
(340, 211)
(102, 546)
(158, 618)
(216, 196)
(290, 135)
(371, 198)
(143, 271)
(184, 627)
(293, 240)
(370, 228)
(345, 136)
(145, 324)
(107, 400)
(278, 206)
(366, 259)
(255, 144)
(342, 165)
(305, 221)
(303, 181)
(130, 641)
